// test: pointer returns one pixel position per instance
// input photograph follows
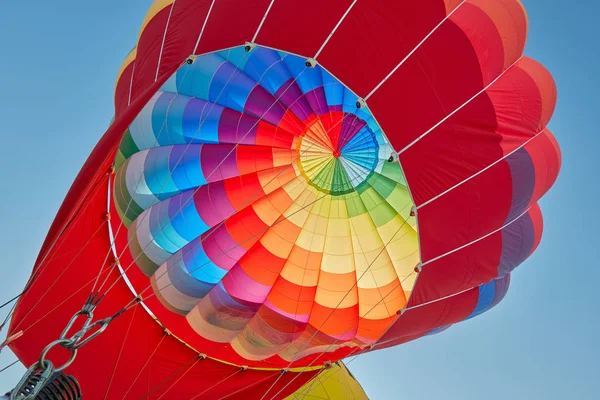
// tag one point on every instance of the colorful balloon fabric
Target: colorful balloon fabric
(289, 183)
(259, 192)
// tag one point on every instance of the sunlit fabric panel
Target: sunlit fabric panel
(267, 206)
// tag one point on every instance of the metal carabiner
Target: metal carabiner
(79, 334)
(103, 324)
(78, 339)
(63, 343)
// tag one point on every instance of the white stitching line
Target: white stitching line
(131, 83)
(162, 46)
(481, 171)
(203, 26)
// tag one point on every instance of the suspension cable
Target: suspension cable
(65, 232)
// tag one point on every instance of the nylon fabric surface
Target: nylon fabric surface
(234, 274)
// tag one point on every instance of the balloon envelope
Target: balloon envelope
(366, 174)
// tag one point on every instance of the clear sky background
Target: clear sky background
(58, 63)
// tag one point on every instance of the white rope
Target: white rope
(337, 306)
(162, 46)
(474, 241)
(131, 83)
(40, 298)
(192, 362)
(203, 27)
(262, 21)
(178, 379)
(217, 384)
(334, 29)
(377, 342)
(408, 146)
(413, 51)
(249, 386)
(480, 171)
(144, 366)
(112, 375)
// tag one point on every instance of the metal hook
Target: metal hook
(63, 343)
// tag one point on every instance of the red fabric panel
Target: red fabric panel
(95, 167)
(122, 89)
(63, 264)
(483, 204)
(232, 23)
(301, 27)
(419, 321)
(184, 28)
(538, 224)
(148, 52)
(545, 85)
(492, 125)
(546, 157)
(451, 66)
(480, 262)
(467, 213)
(375, 37)
(467, 268)
(511, 18)
(113, 360)
(501, 290)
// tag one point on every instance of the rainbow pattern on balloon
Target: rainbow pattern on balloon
(261, 203)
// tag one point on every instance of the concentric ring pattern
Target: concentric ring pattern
(261, 203)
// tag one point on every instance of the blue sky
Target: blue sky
(59, 63)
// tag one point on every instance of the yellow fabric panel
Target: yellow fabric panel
(403, 247)
(335, 383)
(314, 229)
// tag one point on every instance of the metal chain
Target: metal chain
(37, 376)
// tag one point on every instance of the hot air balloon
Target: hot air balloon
(286, 184)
